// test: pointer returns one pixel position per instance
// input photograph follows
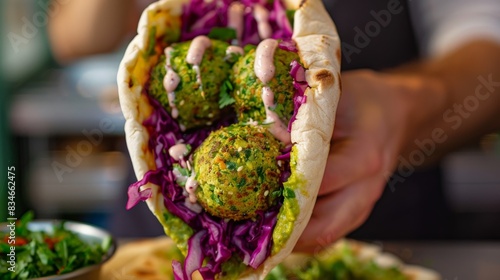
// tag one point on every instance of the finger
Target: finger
(338, 214)
(344, 120)
(349, 162)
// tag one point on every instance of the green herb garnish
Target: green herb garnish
(231, 165)
(222, 33)
(151, 43)
(184, 172)
(249, 47)
(241, 183)
(225, 98)
(40, 254)
(276, 194)
(288, 193)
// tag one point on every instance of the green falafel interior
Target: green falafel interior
(237, 172)
(229, 136)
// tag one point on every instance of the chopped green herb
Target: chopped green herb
(225, 98)
(241, 183)
(217, 199)
(248, 154)
(184, 172)
(189, 149)
(231, 165)
(248, 48)
(151, 42)
(261, 174)
(232, 57)
(222, 33)
(276, 194)
(288, 193)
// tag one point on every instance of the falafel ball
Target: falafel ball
(237, 172)
(248, 87)
(198, 105)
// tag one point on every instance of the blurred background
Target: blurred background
(62, 129)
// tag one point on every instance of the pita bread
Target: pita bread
(150, 260)
(319, 50)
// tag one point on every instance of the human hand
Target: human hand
(375, 118)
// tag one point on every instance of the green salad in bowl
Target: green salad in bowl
(31, 249)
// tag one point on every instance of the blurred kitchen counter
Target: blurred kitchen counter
(68, 128)
(69, 100)
(454, 260)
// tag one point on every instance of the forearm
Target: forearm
(83, 27)
(463, 105)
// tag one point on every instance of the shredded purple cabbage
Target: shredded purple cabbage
(250, 234)
(215, 240)
(278, 18)
(135, 194)
(194, 258)
(199, 17)
(300, 84)
(288, 45)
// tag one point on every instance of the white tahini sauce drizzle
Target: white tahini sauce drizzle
(195, 54)
(178, 152)
(197, 49)
(265, 70)
(196, 68)
(235, 18)
(179, 177)
(234, 49)
(277, 128)
(170, 82)
(261, 15)
(195, 207)
(191, 185)
(264, 60)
